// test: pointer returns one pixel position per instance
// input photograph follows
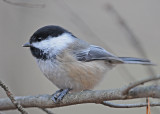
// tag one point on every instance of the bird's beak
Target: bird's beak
(27, 45)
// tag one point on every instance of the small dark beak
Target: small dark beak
(27, 45)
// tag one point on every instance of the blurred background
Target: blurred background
(124, 27)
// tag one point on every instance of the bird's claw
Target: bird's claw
(58, 96)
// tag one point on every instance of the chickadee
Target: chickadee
(71, 63)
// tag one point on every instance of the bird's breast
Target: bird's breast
(74, 74)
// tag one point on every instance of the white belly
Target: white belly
(77, 76)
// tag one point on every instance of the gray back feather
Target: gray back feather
(96, 53)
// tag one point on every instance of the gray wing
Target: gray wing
(96, 53)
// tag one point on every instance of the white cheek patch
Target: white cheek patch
(57, 43)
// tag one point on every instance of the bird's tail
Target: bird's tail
(131, 60)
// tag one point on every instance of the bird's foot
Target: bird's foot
(58, 96)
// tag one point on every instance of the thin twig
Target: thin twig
(148, 110)
(132, 85)
(110, 104)
(10, 95)
(23, 4)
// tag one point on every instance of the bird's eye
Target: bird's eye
(39, 39)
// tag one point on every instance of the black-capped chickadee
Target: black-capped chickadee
(71, 63)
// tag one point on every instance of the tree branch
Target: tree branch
(99, 96)
(44, 101)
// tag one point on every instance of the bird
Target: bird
(72, 64)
